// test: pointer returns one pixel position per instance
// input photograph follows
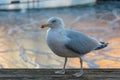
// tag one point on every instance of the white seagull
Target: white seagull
(68, 43)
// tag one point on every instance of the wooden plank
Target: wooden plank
(48, 74)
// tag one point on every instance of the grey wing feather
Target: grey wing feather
(80, 43)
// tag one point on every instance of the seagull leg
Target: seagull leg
(81, 70)
(63, 70)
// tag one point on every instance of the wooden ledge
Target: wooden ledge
(48, 74)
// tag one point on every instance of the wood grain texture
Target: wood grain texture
(48, 74)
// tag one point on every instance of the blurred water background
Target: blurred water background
(22, 42)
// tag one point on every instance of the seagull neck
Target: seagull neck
(57, 28)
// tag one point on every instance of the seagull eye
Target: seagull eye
(53, 21)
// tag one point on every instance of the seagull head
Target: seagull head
(53, 22)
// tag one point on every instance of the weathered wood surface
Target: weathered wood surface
(48, 74)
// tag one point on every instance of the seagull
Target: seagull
(69, 43)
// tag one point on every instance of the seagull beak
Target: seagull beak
(45, 25)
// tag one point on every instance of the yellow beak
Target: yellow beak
(45, 25)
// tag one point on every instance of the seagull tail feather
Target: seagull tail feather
(103, 45)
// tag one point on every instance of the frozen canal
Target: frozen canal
(22, 42)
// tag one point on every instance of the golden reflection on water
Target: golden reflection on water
(23, 45)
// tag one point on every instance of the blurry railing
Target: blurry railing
(34, 3)
(28, 3)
